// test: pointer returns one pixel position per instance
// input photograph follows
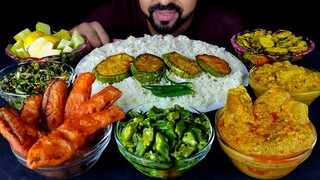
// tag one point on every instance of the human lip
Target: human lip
(165, 15)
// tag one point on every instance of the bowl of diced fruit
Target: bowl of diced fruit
(44, 44)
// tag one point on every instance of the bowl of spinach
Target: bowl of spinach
(20, 80)
(164, 142)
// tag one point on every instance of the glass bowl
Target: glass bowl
(262, 166)
(158, 167)
(16, 98)
(85, 158)
(71, 58)
(304, 95)
(252, 53)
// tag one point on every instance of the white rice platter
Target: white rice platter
(210, 91)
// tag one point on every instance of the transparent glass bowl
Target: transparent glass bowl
(71, 58)
(85, 158)
(259, 167)
(244, 54)
(159, 169)
(15, 99)
(306, 97)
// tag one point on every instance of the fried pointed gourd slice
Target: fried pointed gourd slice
(148, 68)
(182, 65)
(53, 104)
(114, 68)
(62, 144)
(213, 65)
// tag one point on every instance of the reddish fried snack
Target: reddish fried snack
(61, 144)
(19, 134)
(81, 92)
(53, 103)
(101, 100)
(31, 110)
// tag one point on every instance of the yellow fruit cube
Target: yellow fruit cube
(22, 34)
(63, 34)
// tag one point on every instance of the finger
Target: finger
(103, 36)
(88, 30)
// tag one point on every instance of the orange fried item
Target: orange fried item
(61, 144)
(81, 92)
(31, 110)
(19, 134)
(53, 104)
(101, 100)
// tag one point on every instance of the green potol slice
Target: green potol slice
(114, 68)
(213, 65)
(181, 65)
(148, 68)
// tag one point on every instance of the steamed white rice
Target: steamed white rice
(210, 91)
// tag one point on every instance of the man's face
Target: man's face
(166, 16)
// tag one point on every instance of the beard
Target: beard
(165, 27)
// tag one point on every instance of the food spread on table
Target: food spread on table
(57, 120)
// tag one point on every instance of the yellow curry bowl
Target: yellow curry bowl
(302, 83)
(263, 166)
(266, 138)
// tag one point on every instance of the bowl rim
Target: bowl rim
(18, 64)
(99, 146)
(251, 79)
(173, 163)
(244, 50)
(18, 58)
(262, 160)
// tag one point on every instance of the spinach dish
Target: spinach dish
(33, 77)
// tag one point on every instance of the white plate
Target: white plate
(210, 91)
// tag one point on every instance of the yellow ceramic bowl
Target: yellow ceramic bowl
(259, 167)
(306, 97)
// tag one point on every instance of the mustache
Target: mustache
(170, 6)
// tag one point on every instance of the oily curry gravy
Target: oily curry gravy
(273, 125)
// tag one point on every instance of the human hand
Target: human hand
(95, 33)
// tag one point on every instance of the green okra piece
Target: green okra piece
(128, 131)
(145, 141)
(183, 151)
(167, 127)
(161, 146)
(173, 115)
(189, 139)
(180, 128)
